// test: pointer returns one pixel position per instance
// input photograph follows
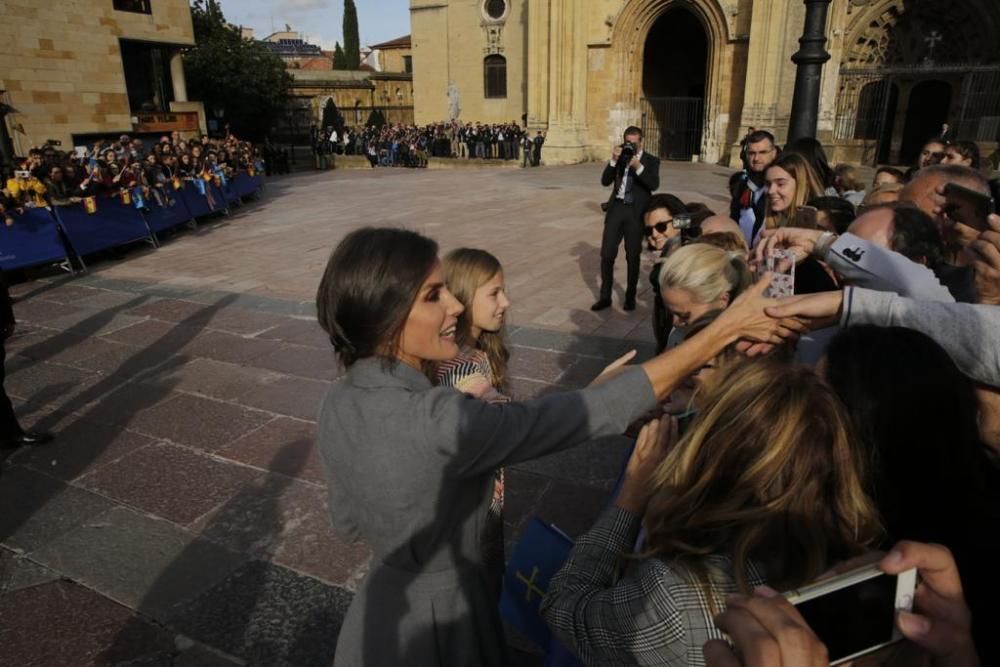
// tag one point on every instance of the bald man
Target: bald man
(717, 224)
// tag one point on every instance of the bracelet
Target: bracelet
(823, 243)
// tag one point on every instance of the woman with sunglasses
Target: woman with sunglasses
(662, 237)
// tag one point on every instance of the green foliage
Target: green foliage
(228, 72)
(352, 42)
(339, 58)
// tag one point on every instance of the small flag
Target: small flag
(126, 197)
(90, 205)
(177, 183)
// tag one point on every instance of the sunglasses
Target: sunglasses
(661, 227)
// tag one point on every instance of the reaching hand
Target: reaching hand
(748, 318)
(985, 251)
(802, 242)
(817, 311)
(651, 448)
(767, 631)
(943, 624)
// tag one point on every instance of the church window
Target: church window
(495, 76)
(495, 9)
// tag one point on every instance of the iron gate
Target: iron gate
(868, 98)
(672, 126)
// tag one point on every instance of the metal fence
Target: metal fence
(673, 126)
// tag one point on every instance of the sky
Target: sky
(321, 21)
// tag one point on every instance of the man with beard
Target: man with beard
(748, 189)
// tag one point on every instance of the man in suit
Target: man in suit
(537, 155)
(634, 183)
(748, 188)
(12, 435)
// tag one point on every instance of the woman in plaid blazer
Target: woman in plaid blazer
(765, 488)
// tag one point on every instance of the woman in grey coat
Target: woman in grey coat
(410, 466)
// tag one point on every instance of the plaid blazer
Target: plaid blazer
(654, 614)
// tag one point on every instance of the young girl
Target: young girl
(475, 278)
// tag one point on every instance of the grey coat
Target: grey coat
(410, 469)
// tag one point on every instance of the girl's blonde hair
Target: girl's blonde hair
(807, 186)
(767, 473)
(466, 270)
(706, 271)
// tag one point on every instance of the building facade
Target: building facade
(697, 74)
(72, 72)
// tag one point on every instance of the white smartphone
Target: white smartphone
(855, 613)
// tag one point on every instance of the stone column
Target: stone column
(564, 143)
(177, 76)
(538, 65)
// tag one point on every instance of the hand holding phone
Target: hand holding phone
(854, 613)
(781, 266)
(968, 207)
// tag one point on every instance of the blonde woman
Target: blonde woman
(791, 182)
(765, 488)
(699, 278)
(475, 278)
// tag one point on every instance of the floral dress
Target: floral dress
(471, 373)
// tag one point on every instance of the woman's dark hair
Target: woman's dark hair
(840, 212)
(813, 152)
(667, 201)
(916, 417)
(970, 151)
(369, 286)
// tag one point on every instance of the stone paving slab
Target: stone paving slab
(145, 563)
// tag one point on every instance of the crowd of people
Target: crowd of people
(50, 176)
(784, 430)
(403, 145)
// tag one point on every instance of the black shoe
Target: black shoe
(629, 304)
(26, 438)
(601, 305)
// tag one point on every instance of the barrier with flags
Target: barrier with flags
(41, 236)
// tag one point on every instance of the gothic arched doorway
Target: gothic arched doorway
(927, 110)
(675, 62)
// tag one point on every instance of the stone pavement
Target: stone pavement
(180, 516)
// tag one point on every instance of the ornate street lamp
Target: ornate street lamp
(809, 60)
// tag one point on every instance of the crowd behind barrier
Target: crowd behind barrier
(411, 145)
(59, 204)
(42, 235)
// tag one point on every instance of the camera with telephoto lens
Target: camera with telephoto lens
(628, 151)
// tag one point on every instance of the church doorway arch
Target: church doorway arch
(674, 80)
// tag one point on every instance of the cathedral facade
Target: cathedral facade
(697, 74)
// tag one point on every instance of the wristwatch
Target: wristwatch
(823, 244)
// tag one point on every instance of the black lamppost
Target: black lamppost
(809, 59)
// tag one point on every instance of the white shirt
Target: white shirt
(748, 216)
(624, 186)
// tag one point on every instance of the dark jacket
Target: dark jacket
(741, 190)
(6, 307)
(643, 186)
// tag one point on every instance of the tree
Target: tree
(339, 58)
(352, 43)
(332, 118)
(240, 77)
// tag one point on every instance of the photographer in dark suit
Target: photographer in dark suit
(12, 435)
(635, 175)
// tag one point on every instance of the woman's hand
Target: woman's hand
(943, 624)
(801, 242)
(985, 252)
(614, 368)
(651, 447)
(767, 631)
(748, 319)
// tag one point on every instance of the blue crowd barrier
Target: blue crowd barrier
(43, 236)
(174, 212)
(112, 225)
(32, 240)
(199, 204)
